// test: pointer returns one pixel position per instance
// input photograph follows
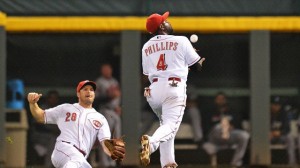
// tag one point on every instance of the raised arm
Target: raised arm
(36, 111)
(197, 66)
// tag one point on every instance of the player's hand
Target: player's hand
(225, 125)
(147, 92)
(116, 148)
(201, 61)
(33, 97)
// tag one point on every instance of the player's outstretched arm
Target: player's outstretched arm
(36, 111)
(198, 66)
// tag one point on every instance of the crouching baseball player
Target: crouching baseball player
(80, 125)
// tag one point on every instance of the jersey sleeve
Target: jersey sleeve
(52, 114)
(144, 63)
(104, 131)
(191, 55)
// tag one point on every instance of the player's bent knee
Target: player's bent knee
(210, 148)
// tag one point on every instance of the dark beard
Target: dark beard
(169, 30)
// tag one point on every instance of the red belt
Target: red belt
(169, 79)
(81, 151)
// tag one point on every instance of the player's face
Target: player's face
(168, 27)
(220, 100)
(106, 71)
(275, 107)
(86, 96)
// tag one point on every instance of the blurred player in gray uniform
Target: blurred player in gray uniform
(194, 115)
(108, 95)
(225, 131)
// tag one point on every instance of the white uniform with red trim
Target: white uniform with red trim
(166, 59)
(79, 127)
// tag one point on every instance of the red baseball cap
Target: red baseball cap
(85, 82)
(155, 20)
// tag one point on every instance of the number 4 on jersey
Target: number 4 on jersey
(161, 64)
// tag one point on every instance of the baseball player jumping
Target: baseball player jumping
(166, 60)
(80, 125)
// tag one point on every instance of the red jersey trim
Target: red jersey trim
(45, 117)
(195, 61)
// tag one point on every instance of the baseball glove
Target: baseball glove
(116, 148)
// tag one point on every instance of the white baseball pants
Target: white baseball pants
(168, 103)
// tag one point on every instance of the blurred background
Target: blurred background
(252, 56)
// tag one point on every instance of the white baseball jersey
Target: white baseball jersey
(167, 56)
(79, 126)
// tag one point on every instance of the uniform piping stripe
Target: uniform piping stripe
(178, 122)
(45, 117)
(176, 127)
(86, 116)
(194, 61)
(85, 120)
(102, 139)
(63, 153)
(78, 126)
